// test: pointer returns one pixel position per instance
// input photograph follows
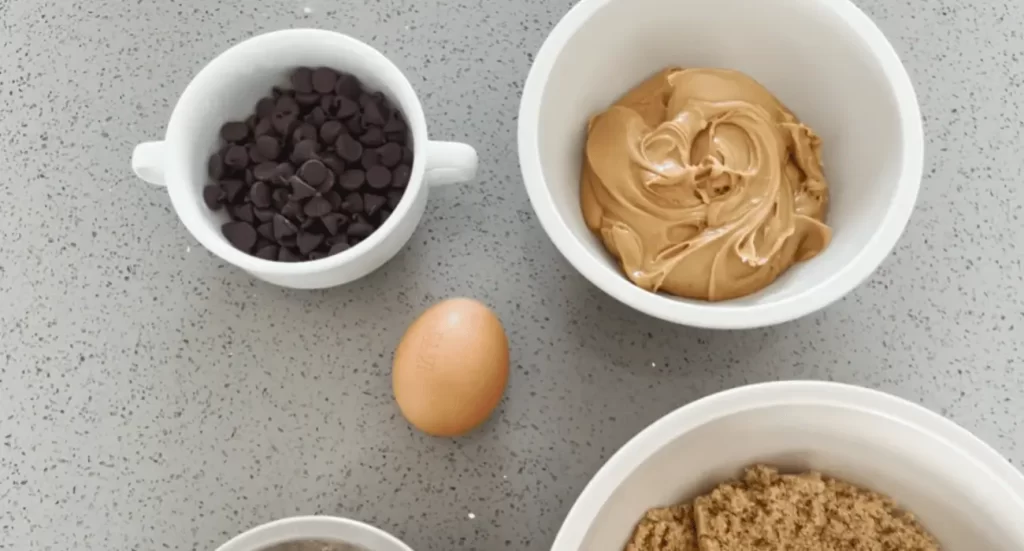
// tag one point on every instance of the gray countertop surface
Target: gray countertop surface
(152, 397)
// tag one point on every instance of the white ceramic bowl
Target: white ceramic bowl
(332, 529)
(823, 58)
(228, 87)
(963, 492)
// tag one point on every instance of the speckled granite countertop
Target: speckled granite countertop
(153, 398)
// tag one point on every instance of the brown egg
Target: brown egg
(451, 367)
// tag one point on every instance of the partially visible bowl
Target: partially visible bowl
(961, 490)
(322, 528)
(823, 58)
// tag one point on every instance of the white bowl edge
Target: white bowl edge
(314, 527)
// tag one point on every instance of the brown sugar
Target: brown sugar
(665, 529)
(786, 512)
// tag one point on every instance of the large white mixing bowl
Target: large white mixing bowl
(961, 490)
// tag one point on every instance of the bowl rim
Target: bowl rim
(308, 527)
(758, 396)
(725, 315)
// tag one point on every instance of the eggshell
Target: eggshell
(451, 367)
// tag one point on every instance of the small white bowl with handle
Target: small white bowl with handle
(227, 89)
(824, 59)
(961, 490)
(325, 529)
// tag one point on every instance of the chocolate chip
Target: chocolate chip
(317, 116)
(333, 221)
(334, 199)
(268, 147)
(300, 189)
(327, 184)
(406, 156)
(390, 154)
(352, 203)
(284, 172)
(333, 162)
(305, 131)
(317, 207)
(266, 230)
(248, 177)
(292, 210)
(212, 196)
(286, 106)
(372, 114)
(267, 252)
(395, 124)
(287, 255)
(243, 212)
(395, 137)
(384, 215)
(324, 80)
(254, 155)
(234, 132)
(232, 189)
(311, 98)
(240, 234)
(373, 137)
(348, 148)
(265, 171)
(368, 98)
(264, 127)
(280, 197)
(215, 166)
(283, 228)
(313, 172)
(372, 203)
(359, 229)
(339, 247)
(308, 241)
(259, 194)
(370, 159)
(348, 86)
(284, 123)
(328, 104)
(352, 180)
(264, 215)
(237, 157)
(378, 177)
(400, 176)
(330, 131)
(394, 197)
(354, 124)
(317, 255)
(304, 151)
(264, 107)
(345, 108)
(302, 79)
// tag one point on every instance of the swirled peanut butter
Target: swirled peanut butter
(704, 185)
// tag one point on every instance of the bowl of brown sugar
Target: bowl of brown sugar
(800, 466)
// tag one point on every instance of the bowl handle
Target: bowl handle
(148, 162)
(450, 163)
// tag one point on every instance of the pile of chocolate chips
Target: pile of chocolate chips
(315, 170)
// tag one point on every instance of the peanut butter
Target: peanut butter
(703, 185)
